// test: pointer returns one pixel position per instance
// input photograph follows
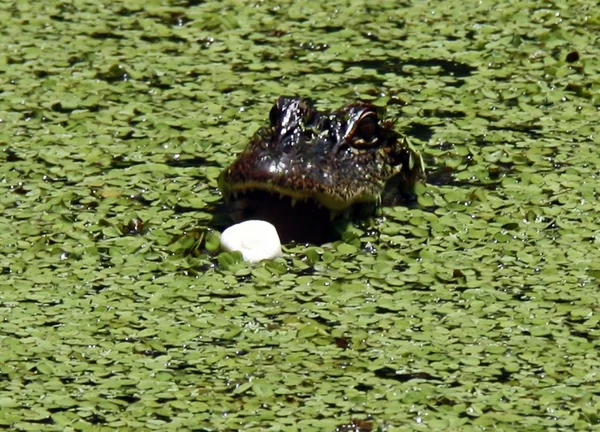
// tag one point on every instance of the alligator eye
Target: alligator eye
(366, 130)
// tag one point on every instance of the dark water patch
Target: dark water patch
(324, 321)
(577, 330)
(35, 114)
(60, 108)
(401, 267)
(301, 299)
(447, 68)
(13, 60)
(377, 82)
(68, 380)
(160, 39)
(43, 73)
(130, 399)
(356, 425)
(419, 131)
(160, 82)
(125, 12)
(47, 420)
(115, 73)
(11, 155)
(445, 146)
(48, 179)
(446, 176)
(342, 342)
(58, 409)
(503, 377)
(381, 66)
(226, 295)
(193, 242)
(171, 18)
(104, 35)
(313, 46)
(374, 37)
(206, 42)
(188, 3)
(52, 323)
(328, 29)
(121, 162)
(457, 83)
(393, 374)
(59, 18)
(586, 91)
(533, 131)
(385, 310)
(396, 66)
(76, 203)
(150, 352)
(364, 387)
(444, 401)
(177, 161)
(180, 209)
(440, 113)
(95, 419)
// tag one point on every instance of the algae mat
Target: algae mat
(476, 309)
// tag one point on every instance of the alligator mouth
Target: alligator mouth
(296, 220)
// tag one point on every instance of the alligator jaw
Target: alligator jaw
(299, 220)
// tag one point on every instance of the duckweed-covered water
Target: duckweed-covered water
(476, 309)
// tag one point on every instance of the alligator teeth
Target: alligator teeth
(294, 201)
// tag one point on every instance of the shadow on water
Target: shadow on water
(394, 66)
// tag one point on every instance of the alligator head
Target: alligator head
(320, 162)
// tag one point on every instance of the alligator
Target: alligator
(322, 165)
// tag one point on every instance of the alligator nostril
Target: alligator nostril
(274, 116)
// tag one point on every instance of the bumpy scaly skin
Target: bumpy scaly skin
(338, 159)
